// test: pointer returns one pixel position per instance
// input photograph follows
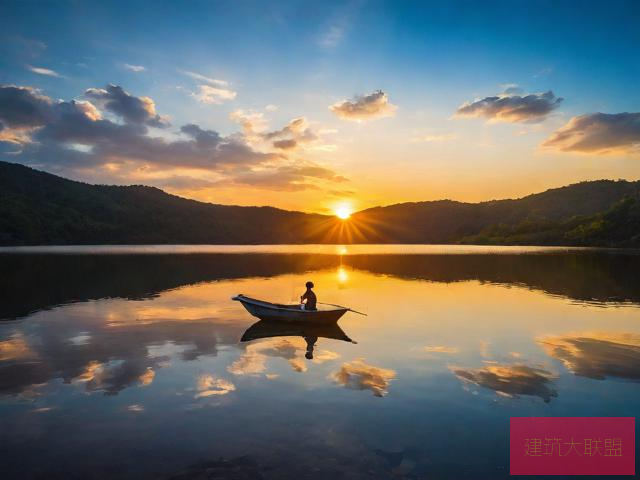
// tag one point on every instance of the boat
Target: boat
(262, 329)
(277, 312)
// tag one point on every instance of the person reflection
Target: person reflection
(311, 343)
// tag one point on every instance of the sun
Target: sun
(343, 211)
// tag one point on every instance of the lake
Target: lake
(129, 362)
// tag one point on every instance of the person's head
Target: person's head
(309, 285)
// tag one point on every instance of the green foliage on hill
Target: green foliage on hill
(38, 208)
(619, 226)
(545, 218)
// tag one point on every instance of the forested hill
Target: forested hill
(38, 208)
(602, 212)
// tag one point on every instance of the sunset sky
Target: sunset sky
(312, 105)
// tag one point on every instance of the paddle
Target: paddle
(340, 306)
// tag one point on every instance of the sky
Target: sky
(318, 106)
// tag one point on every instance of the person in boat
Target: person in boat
(308, 299)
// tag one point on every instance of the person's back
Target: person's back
(310, 297)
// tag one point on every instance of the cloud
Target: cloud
(271, 108)
(252, 122)
(211, 91)
(443, 137)
(597, 355)
(359, 375)
(132, 109)
(23, 107)
(134, 68)
(205, 79)
(365, 107)
(295, 135)
(598, 133)
(69, 137)
(511, 107)
(296, 176)
(44, 71)
(61, 124)
(511, 380)
(213, 95)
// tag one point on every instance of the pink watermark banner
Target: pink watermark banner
(573, 446)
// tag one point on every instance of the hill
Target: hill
(560, 216)
(37, 208)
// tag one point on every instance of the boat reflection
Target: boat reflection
(309, 332)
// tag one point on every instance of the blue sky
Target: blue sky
(428, 58)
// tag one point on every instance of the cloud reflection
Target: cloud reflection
(253, 360)
(208, 386)
(111, 356)
(597, 355)
(359, 375)
(510, 380)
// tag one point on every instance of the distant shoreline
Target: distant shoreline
(311, 249)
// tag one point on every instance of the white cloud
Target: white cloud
(44, 71)
(134, 68)
(213, 95)
(365, 107)
(208, 80)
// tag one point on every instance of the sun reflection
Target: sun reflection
(343, 276)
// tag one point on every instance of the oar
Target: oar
(340, 306)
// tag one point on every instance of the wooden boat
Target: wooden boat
(276, 312)
(262, 329)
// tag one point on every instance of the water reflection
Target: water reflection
(32, 282)
(148, 367)
(359, 375)
(511, 380)
(597, 355)
(103, 351)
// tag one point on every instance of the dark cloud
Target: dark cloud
(365, 107)
(597, 355)
(511, 380)
(67, 137)
(61, 124)
(24, 107)
(598, 133)
(285, 144)
(509, 107)
(132, 109)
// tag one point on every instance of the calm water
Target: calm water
(127, 362)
